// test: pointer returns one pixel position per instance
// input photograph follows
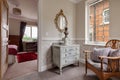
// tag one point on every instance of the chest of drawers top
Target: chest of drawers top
(72, 45)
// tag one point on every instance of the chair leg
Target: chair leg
(102, 78)
(85, 69)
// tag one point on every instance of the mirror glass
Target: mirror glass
(61, 21)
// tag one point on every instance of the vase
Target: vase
(66, 41)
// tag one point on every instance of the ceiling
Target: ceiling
(28, 9)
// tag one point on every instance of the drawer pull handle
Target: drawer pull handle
(76, 58)
(65, 61)
(65, 54)
(71, 49)
(65, 50)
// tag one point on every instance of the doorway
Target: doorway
(23, 12)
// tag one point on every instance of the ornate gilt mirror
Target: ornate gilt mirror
(60, 21)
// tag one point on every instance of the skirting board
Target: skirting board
(49, 66)
(46, 67)
(82, 61)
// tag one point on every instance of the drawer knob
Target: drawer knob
(65, 50)
(76, 58)
(65, 54)
(70, 49)
(65, 61)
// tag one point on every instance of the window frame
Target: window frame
(87, 23)
(31, 38)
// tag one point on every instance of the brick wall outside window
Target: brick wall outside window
(98, 31)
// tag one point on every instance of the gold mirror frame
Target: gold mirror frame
(57, 18)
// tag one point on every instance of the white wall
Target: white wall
(115, 19)
(80, 13)
(14, 26)
(50, 9)
(48, 32)
(114, 24)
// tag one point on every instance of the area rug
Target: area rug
(26, 56)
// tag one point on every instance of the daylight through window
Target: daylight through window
(97, 21)
(30, 33)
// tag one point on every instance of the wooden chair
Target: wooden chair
(113, 66)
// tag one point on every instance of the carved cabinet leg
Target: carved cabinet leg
(60, 70)
(78, 63)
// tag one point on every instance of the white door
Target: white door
(3, 37)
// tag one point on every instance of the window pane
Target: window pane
(98, 31)
(34, 32)
(30, 33)
(106, 16)
(27, 33)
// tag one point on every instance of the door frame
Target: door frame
(40, 23)
(3, 2)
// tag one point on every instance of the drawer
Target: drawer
(69, 49)
(68, 54)
(70, 60)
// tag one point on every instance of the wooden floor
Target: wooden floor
(28, 71)
(21, 69)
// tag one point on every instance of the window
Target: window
(30, 33)
(97, 21)
(106, 16)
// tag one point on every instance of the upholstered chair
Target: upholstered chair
(105, 62)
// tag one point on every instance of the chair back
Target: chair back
(114, 44)
(113, 65)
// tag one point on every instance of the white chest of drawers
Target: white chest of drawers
(64, 55)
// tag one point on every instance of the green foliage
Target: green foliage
(26, 38)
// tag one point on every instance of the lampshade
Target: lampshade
(16, 11)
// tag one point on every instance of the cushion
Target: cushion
(13, 46)
(98, 65)
(100, 52)
(27, 56)
(114, 53)
(12, 51)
